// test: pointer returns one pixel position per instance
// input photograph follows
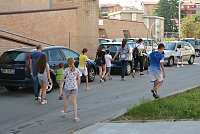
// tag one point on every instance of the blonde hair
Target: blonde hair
(71, 64)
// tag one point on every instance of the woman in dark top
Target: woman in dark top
(101, 62)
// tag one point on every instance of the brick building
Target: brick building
(112, 7)
(148, 7)
(77, 17)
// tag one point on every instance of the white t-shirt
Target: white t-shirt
(109, 58)
(140, 48)
(179, 53)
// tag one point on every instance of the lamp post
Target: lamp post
(179, 21)
(151, 28)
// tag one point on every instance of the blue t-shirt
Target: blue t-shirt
(155, 59)
(34, 57)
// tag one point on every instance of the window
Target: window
(70, 54)
(13, 57)
(186, 46)
(46, 52)
(133, 17)
(55, 55)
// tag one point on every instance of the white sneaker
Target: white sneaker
(39, 99)
(44, 102)
(178, 66)
(182, 65)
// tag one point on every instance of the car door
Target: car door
(186, 51)
(71, 54)
(56, 57)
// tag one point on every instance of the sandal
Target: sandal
(63, 114)
(76, 120)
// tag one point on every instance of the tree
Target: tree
(169, 10)
(190, 27)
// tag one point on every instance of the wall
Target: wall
(114, 28)
(20, 5)
(87, 22)
(51, 27)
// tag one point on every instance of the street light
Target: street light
(179, 21)
(151, 28)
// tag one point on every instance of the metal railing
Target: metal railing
(26, 37)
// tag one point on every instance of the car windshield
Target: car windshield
(170, 45)
(192, 42)
(112, 48)
(132, 40)
(13, 57)
(118, 40)
(103, 41)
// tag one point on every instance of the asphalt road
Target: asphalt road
(20, 114)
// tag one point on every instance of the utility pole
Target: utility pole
(50, 4)
(179, 21)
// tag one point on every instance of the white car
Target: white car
(188, 52)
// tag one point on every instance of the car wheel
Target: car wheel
(170, 62)
(12, 88)
(128, 69)
(191, 61)
(197, 53)
(91, 74)
(50, 87)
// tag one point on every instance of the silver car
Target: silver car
(188, 52)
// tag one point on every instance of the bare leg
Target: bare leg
(44, 91)
(66, 103)
(177, 62)
(104, 71)
(182, 61)
(155, 83)
(157, 86)
(61, 91)
(86, 77)
(100, 71)
(74, 105)
(107, 75)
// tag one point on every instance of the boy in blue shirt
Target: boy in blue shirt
(156, 69)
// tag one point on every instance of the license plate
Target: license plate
(8, 71)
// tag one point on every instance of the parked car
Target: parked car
(195, 43)
(188, 52)
(102, 40)
(116, 64)
(15, 70)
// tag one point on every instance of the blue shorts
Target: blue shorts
(108, 69)
(179, 57)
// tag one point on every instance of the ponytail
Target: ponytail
(71, 64)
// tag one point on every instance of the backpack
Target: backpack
(136, 52)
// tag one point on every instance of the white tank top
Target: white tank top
(179, 52)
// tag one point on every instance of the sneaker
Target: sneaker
(154, 92)
(157, 97)
(44, 102)
(104, 79)
(39, 99)
(133, 74)
(110, 78)
(182, 65)
(60, 98)
(178, 66)
(101, 80)
(88, 88)
(122, 79)
(36, 98)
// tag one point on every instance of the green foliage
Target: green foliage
(110, 11)
(181, 106)
(169, 10)
(190, 27)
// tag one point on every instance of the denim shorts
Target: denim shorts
(42, 79)
(108, 70)
(179, 57)
(70, 92)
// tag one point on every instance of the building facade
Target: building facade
(148, 7)
(109, 8)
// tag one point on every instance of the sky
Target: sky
(136, 3)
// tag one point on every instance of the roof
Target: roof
(154, 17)
(119, 12)
(112, 5)
(149, 3)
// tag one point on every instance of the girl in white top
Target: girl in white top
(71, 76)
(179, 55)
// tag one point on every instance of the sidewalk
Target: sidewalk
(182, 127)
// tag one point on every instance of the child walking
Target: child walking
(59, 75)
(43, 77)
(179, 55)
(71, 76)
(108, 65)
(156, 68)
(82, 66)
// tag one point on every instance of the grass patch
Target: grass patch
(184, 105)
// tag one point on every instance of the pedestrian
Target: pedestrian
(156, 68)
(101, 62)
(83, 66)
(179, 55)
(59, 74)
(43, 76)
(33, 59)
(108, 65)
(125, 53)
(153, 51)
(71, 76)
(138, 56)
